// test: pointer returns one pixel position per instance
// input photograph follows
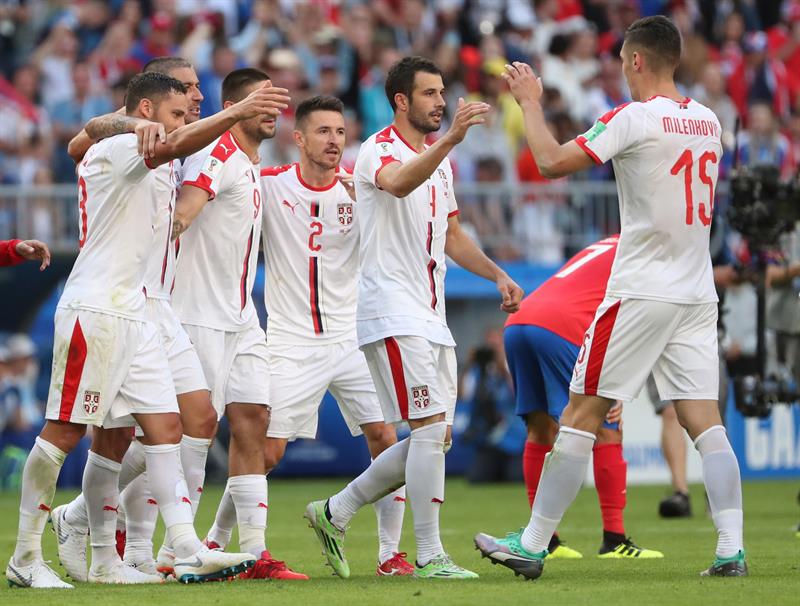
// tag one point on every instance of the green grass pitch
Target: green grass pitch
(771, 514)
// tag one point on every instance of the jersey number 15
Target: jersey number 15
(685, 163)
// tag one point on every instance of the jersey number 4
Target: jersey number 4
(685, 163)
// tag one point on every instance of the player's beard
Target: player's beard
(323, 162)
(422, 121)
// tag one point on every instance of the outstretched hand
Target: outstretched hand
(266, 100)
(33, 250)
(147, 135)
(467, 114)
(523, 83)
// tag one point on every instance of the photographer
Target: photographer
(783, 306)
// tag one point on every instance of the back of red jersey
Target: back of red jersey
(566, 303)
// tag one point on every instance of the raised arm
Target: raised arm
(116, 123)
(186, 140)
(400, 179)
(463, 250)
(553, 159)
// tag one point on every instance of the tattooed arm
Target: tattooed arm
(116, 124)
(191, 201)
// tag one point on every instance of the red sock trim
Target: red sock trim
(532, 464)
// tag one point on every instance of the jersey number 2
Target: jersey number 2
(685, 163)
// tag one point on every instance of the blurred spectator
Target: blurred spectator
(607, 90)
(112, 61)
(69, 116)
(55, 58)
(92, 18)
(494, 429)
(763, 143)
(223, 62)
(159, 42)
(501, 135)
(264, 30)
(21, 414)
(373, 106)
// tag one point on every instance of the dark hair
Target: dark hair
(402, 74)
(320, 103)
(234, 83)
(658, 39)
(164, 65)
(151, 85)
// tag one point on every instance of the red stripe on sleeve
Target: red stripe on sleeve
(385, 161)
(597, 354)
(203, 182)
(398, 377)
(453, 213)
(8, 253)
(76, 358)
(584, 145)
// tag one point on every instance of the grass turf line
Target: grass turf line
(771, 513)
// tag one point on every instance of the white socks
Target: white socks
(563, 473)
(385, 474)
(425, 487)
(133, 465)
(194, 452)
(390, 510)
(38, 487)
(224, 521)
(166, 482)
(249, 496)
(141, 515)
(724, 489)
(101, 494)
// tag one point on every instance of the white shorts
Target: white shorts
(414, 377)
(184, 364)
(630, 337)
(234, 364)
(299, 377)
(106, 368)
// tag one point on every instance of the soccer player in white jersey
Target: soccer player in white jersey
(222, 202)
(139, 510)
(408, 222)
(108, 366)
(311, 251)
(660, 310)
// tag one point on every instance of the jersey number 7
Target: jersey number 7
(685, 163)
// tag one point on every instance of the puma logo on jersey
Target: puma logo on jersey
(290, 206)
(225, 148)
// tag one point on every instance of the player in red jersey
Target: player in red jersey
(542, 342)
(659, 313)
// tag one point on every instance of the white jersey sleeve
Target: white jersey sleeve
(615, 133)
(124, 159)
(205, 168)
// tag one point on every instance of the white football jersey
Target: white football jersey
(218, 254)
(311, 257)
(160, 273)
(401, 288)
(666, 157)
(117, 206)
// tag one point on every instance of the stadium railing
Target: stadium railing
(537, 223)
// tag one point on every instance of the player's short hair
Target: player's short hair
(320, 103)
(402, 74)
(153, 86)
(658, 39)
(164, 65)
(235, 83)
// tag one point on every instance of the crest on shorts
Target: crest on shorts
(420, 397)
(344, 212)
(91, 401)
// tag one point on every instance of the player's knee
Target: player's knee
(203, 423)
(608, 436)
(379, 437)
(112, 443)
(273, 453)
(64, 436)
(247, 420)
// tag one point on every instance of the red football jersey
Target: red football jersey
(565, 304)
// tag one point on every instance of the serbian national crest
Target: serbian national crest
(91, 401)
(344, 212)
(420, 396)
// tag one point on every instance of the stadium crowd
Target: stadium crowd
(63, 62)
